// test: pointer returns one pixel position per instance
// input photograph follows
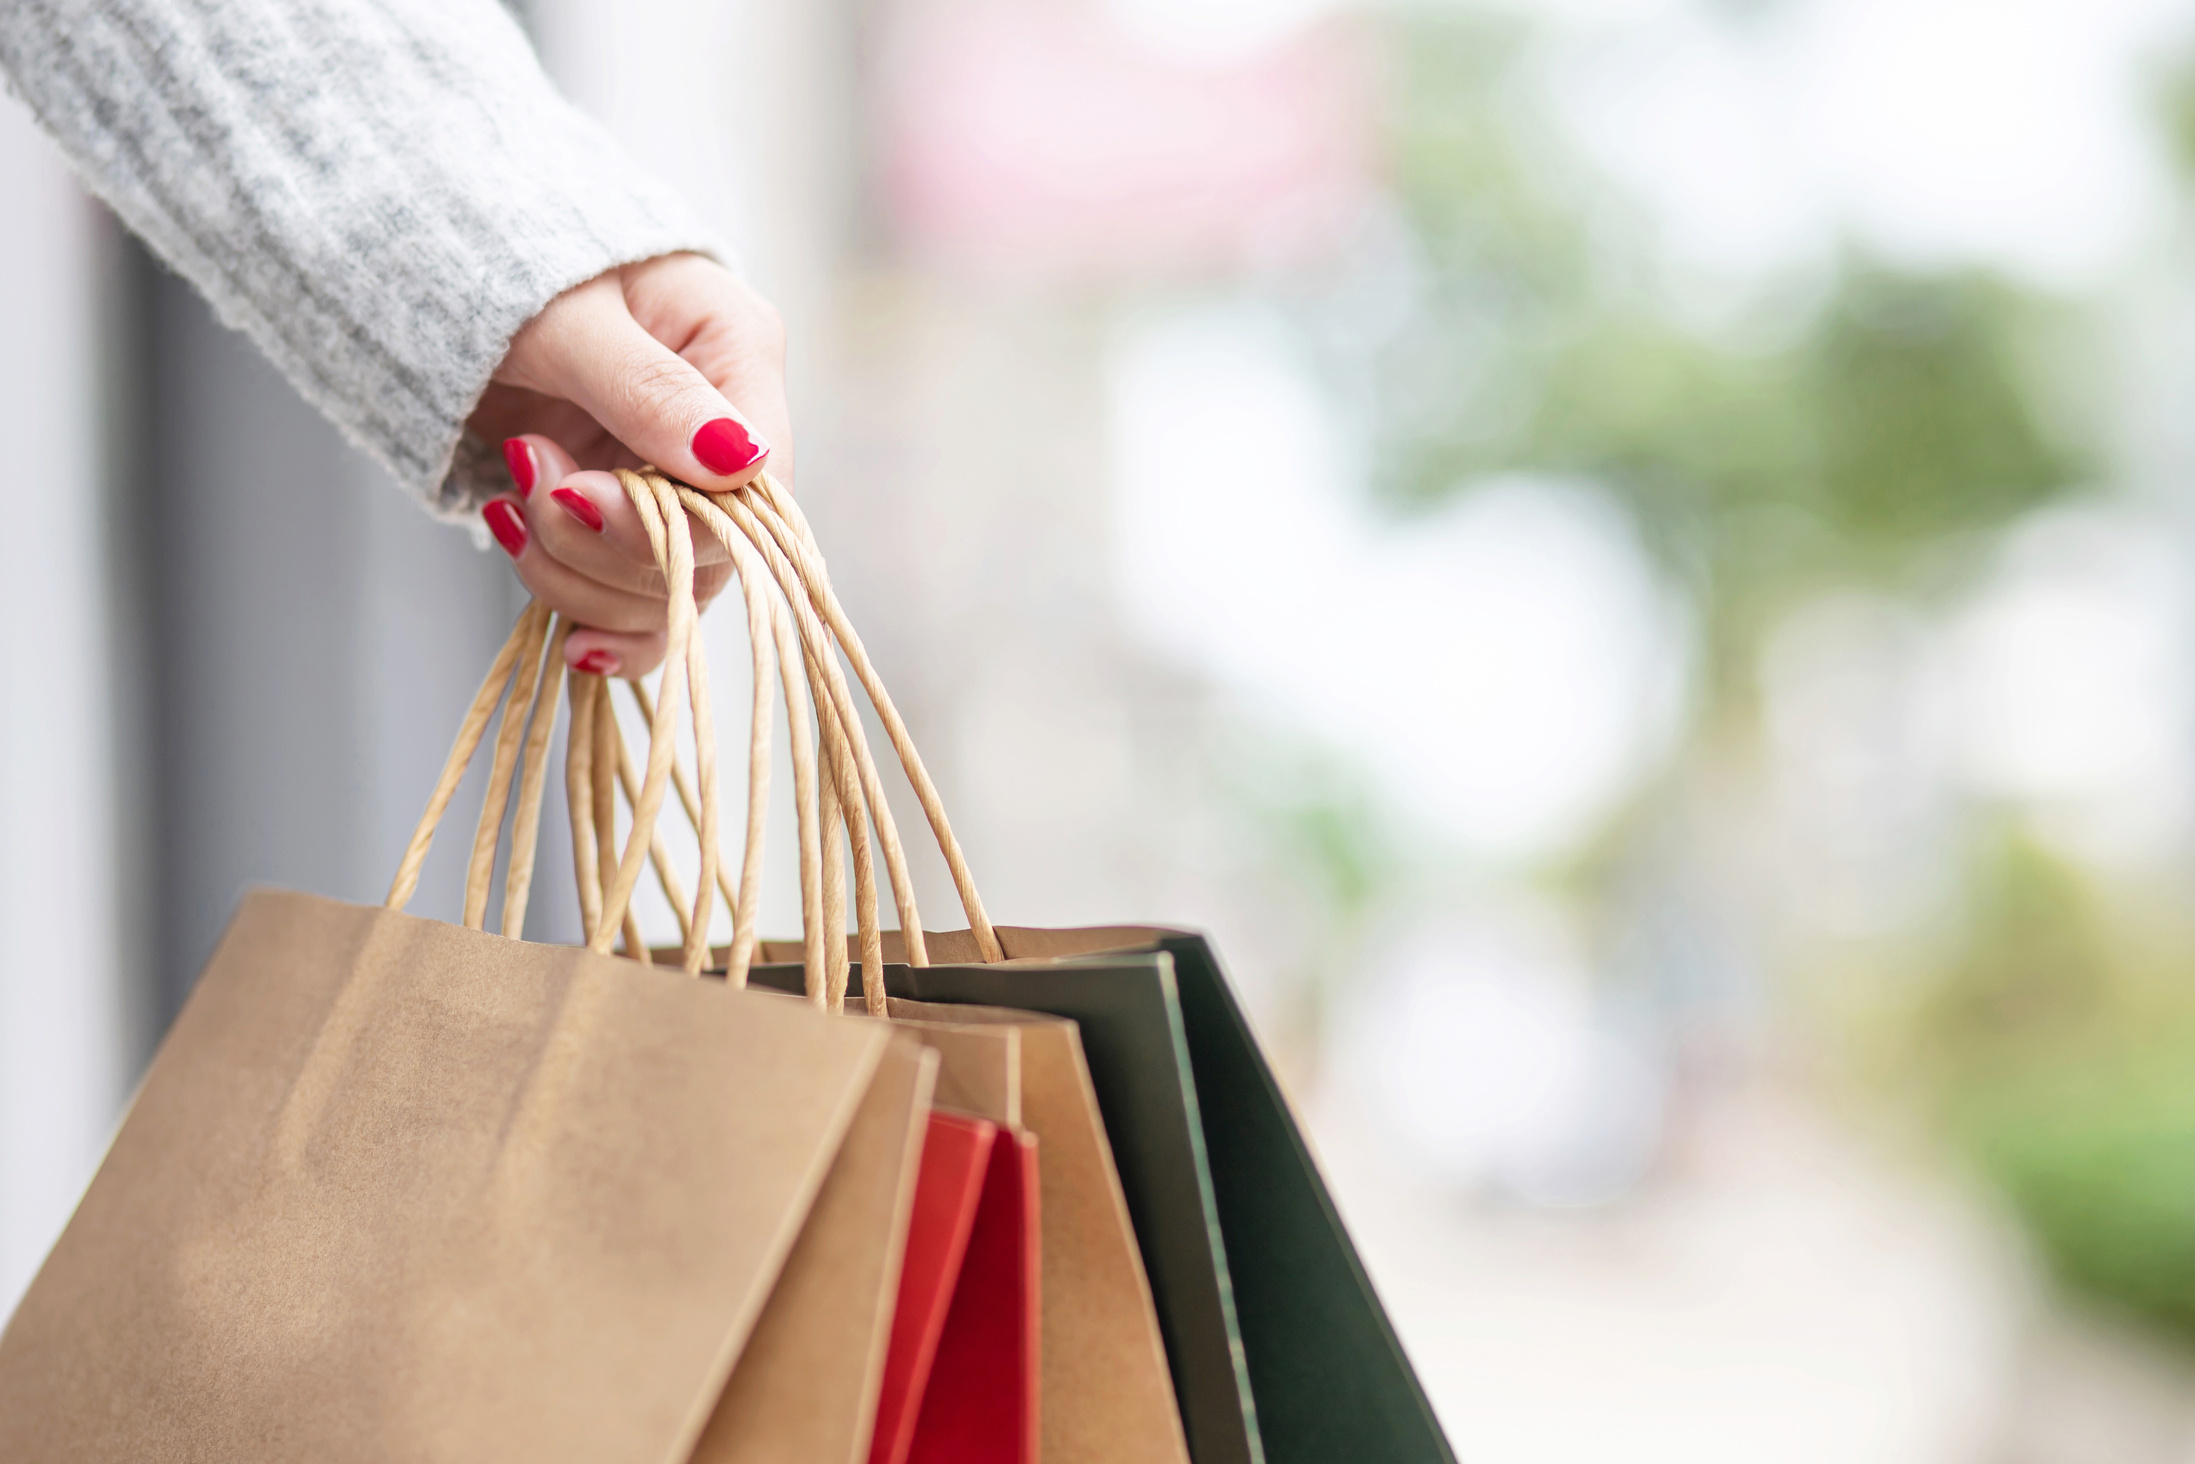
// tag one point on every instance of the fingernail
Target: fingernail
(503, 522)
(598, 663)
(519, 458)
(579, 506)
(725, 447)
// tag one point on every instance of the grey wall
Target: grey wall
(312, 639)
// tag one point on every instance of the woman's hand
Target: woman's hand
(674, 362)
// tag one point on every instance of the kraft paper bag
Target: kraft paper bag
(1107, 1395)
(805, 1391)
(979, 1066)
(393, 1189)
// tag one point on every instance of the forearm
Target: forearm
(378, 192)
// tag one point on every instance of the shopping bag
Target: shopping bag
(980, 1404)
(961, 1381)
(805, 1390)
(395, 1189)
(980, 1066)
(956, 1157)
(1279, 1346)
(398, 1189)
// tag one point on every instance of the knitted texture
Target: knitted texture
(378, 192)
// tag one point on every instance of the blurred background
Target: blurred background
(1629, 559)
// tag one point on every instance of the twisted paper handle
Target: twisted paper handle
(836, 785)
(606, 876)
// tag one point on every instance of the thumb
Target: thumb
(654, 401)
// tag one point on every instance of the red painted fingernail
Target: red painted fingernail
(579, 506)
(726, 447)
(598, 663)
(503, 522)
(519, 458)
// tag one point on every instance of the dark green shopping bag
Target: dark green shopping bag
(1280, 1348)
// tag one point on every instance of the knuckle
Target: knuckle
(631, 617)
(756, 323)
(768, 327)
(653, 382)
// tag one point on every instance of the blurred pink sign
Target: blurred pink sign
(1039, 140)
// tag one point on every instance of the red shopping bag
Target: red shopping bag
(956, 1157)
(981, 1404)
(961, 1376)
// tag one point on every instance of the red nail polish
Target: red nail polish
(503, 522)
(598, 663)
(724, 446)
(579, 506)
(519, 458)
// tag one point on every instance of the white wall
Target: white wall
(63, 1042)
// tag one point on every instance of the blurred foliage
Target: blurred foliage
(2097, 1156)
(1868, 428)
(2173, 102)
(1899, 414)
(2064, 1054)
(1320, 815)
(1325, 828)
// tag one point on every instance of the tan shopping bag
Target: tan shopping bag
(399, 1190)
(1106, 1392)
(805, 1389)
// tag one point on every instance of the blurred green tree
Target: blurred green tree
(1879, 435)
(1900, 415)
(2065, 1060)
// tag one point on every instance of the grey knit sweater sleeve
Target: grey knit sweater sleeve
(378, 192)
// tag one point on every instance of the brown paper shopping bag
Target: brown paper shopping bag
(396, 1190)
(1106, 1392)
(399, 1190)
(805, 1389)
